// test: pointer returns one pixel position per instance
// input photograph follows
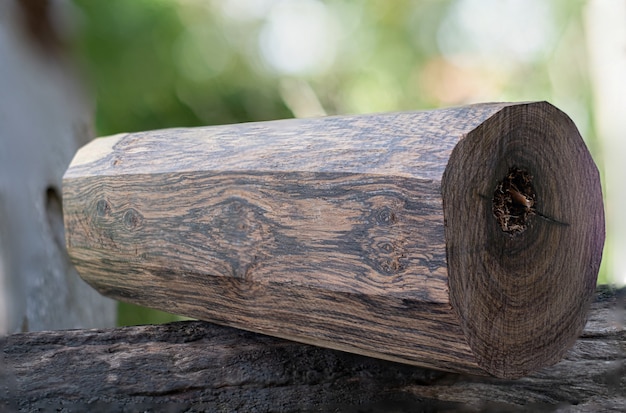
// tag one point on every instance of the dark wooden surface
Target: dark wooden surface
(372, 234)
(197, 366)
(529, 290)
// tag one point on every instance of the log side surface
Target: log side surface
(198, 366)
(338, 219)
(374, 234)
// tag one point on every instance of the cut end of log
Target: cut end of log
(523, 258)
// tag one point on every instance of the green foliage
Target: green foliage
(137, 54)
(130, 315)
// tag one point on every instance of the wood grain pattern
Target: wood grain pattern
(198, 366)
(343, 232)
(530, 288)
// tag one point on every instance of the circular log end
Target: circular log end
(524, 227)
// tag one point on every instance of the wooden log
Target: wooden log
(465, 239)
(197, 366)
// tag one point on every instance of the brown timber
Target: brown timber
(464, 239)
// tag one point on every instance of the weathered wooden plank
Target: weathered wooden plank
(454, 239)
(197, 366)
(44, 119)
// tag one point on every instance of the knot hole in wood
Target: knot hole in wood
(514, 201)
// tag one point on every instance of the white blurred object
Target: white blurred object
(606, 35)
(44, 119)
(299, 37)
(496, 32)
(300, 98)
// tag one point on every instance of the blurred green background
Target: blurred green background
(163, 63)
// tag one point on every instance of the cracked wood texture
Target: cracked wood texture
(372, 234)
(197, 366)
